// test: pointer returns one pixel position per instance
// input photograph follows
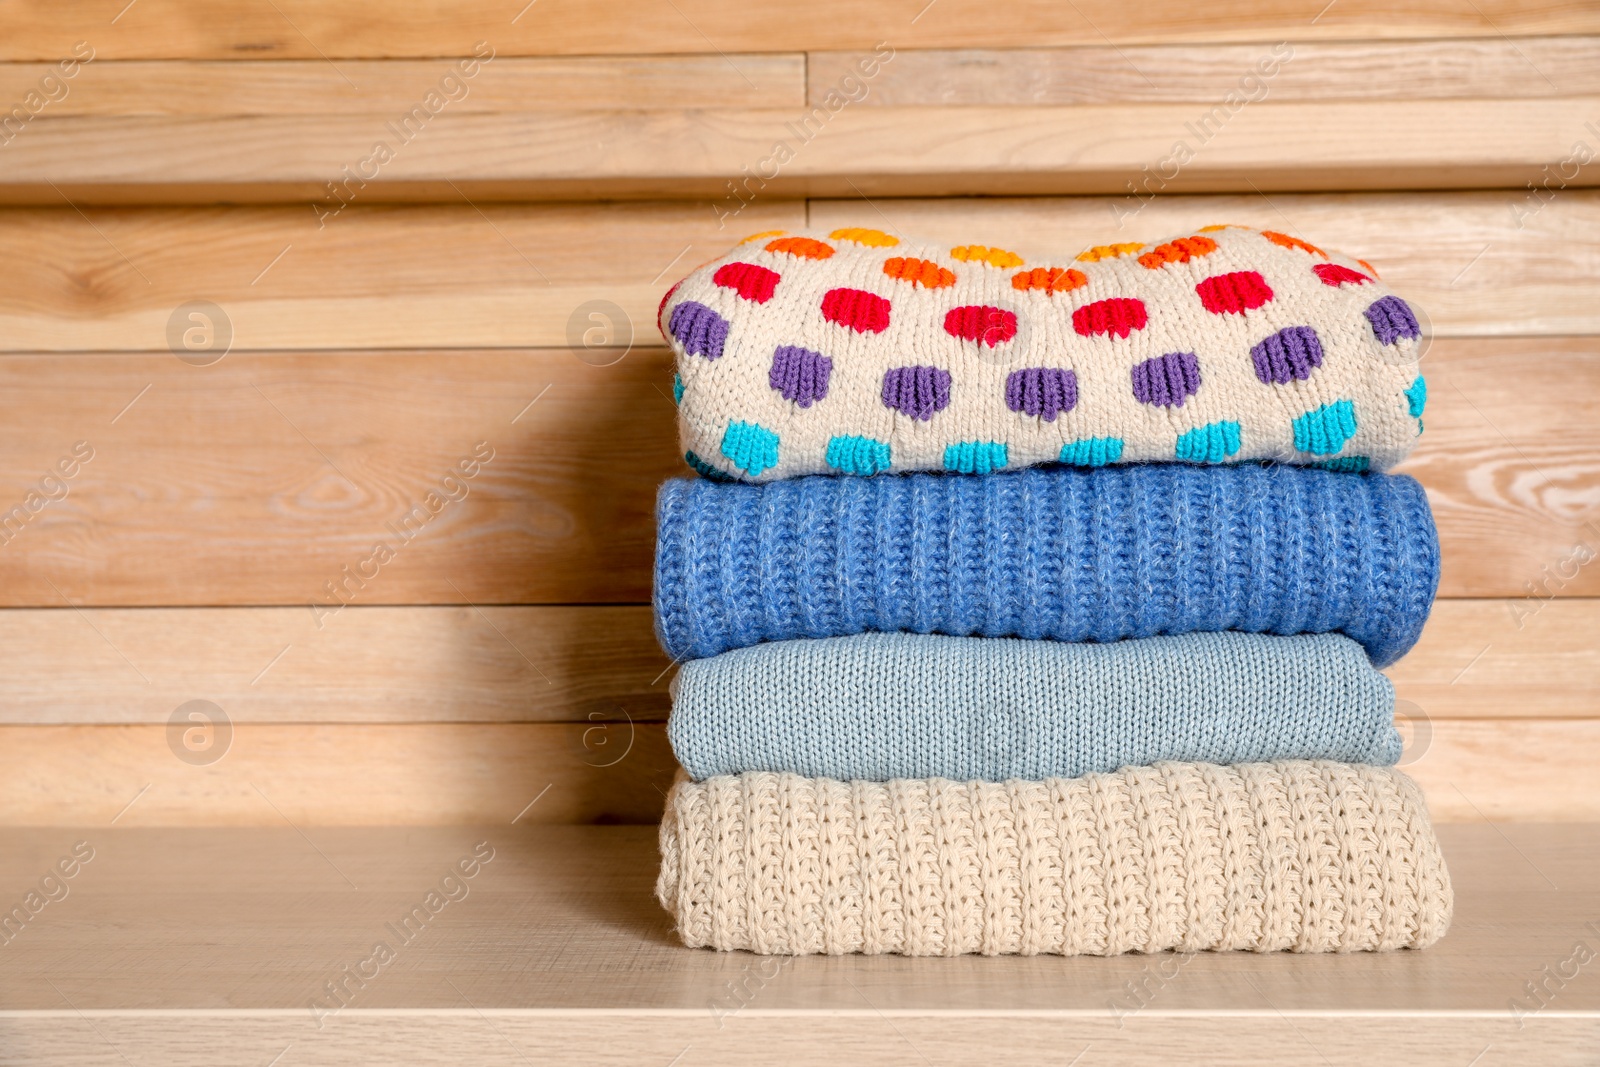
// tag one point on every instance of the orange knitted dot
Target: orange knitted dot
(1099, 252)
(923, 272)
(1370, 268)
(763, 233)
(1180, 251)
(1050, 279)
(804, 247)
(1292, 242)
(870, 238)
(995, 257)
(1222, 226)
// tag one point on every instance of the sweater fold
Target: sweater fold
(884, 706)
(1066, 554)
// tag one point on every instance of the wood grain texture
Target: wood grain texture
(1373, 69)
(454, 276)
(205, 947)
(308, 774)
(258, 479)
(878, 151)
(1512, 476)
(1479, 659)
(1496, 262)
(616, 770)
(447, 275)
(388, 88)
(261, 478)
(305, 29)
(1502, 659)
(364, 664)
(1152, 1038)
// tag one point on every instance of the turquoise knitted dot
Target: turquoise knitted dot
(704, 469)
(1092, 451)
(1354, 464)
(975, 457)
(858, 455)
(1211, 443)
(750, 447)
(1324, 431)
(677, 388)
(1417, 397)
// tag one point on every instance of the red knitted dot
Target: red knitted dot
(1120, 315)
(1234, 293)
(990, 325)
(862, 311)
(1333, 274)
(748, 280)
(663, 306)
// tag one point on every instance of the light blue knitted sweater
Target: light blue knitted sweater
(881, 706)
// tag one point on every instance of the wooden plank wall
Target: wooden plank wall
(369, 335)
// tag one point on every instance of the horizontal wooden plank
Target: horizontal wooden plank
(369, 277)
(390, 88)
(191, 948)
(1262, 1032)
(453, 276)
(259, 479)
(310, 774)
(361, 664)
(306, 479)
(1374, 69)
(827, 151)
(1485, 659)
(1502, 659)
(1485, 263)
(305, 29)
(1511, 468)
(1517, 770)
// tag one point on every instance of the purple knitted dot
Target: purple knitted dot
(1167, 381)
(1043, 392)
(800, 374)
(917, 391)
(701, 331)
(1287, 355)
(1392, 320)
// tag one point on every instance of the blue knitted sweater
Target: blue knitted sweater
(884, 706)
(1066, 553)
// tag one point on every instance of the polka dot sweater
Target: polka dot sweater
(855, 351)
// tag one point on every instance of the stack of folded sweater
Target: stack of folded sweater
(1039, 608)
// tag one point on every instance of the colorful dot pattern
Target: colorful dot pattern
(857, 351)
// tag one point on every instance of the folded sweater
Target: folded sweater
(1308, 857)
(1063, 553)
(883, 706)
(856, 351)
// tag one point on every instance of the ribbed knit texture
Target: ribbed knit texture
(883, 706)
(1302, 856)
(1064, 553)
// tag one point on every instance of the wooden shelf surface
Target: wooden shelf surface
(212, 946)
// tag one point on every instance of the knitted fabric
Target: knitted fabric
(856, 352)
(1064, 553)
(884, 706)
(1308, 857)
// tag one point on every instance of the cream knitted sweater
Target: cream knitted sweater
(1302, 856)
(855, 351)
